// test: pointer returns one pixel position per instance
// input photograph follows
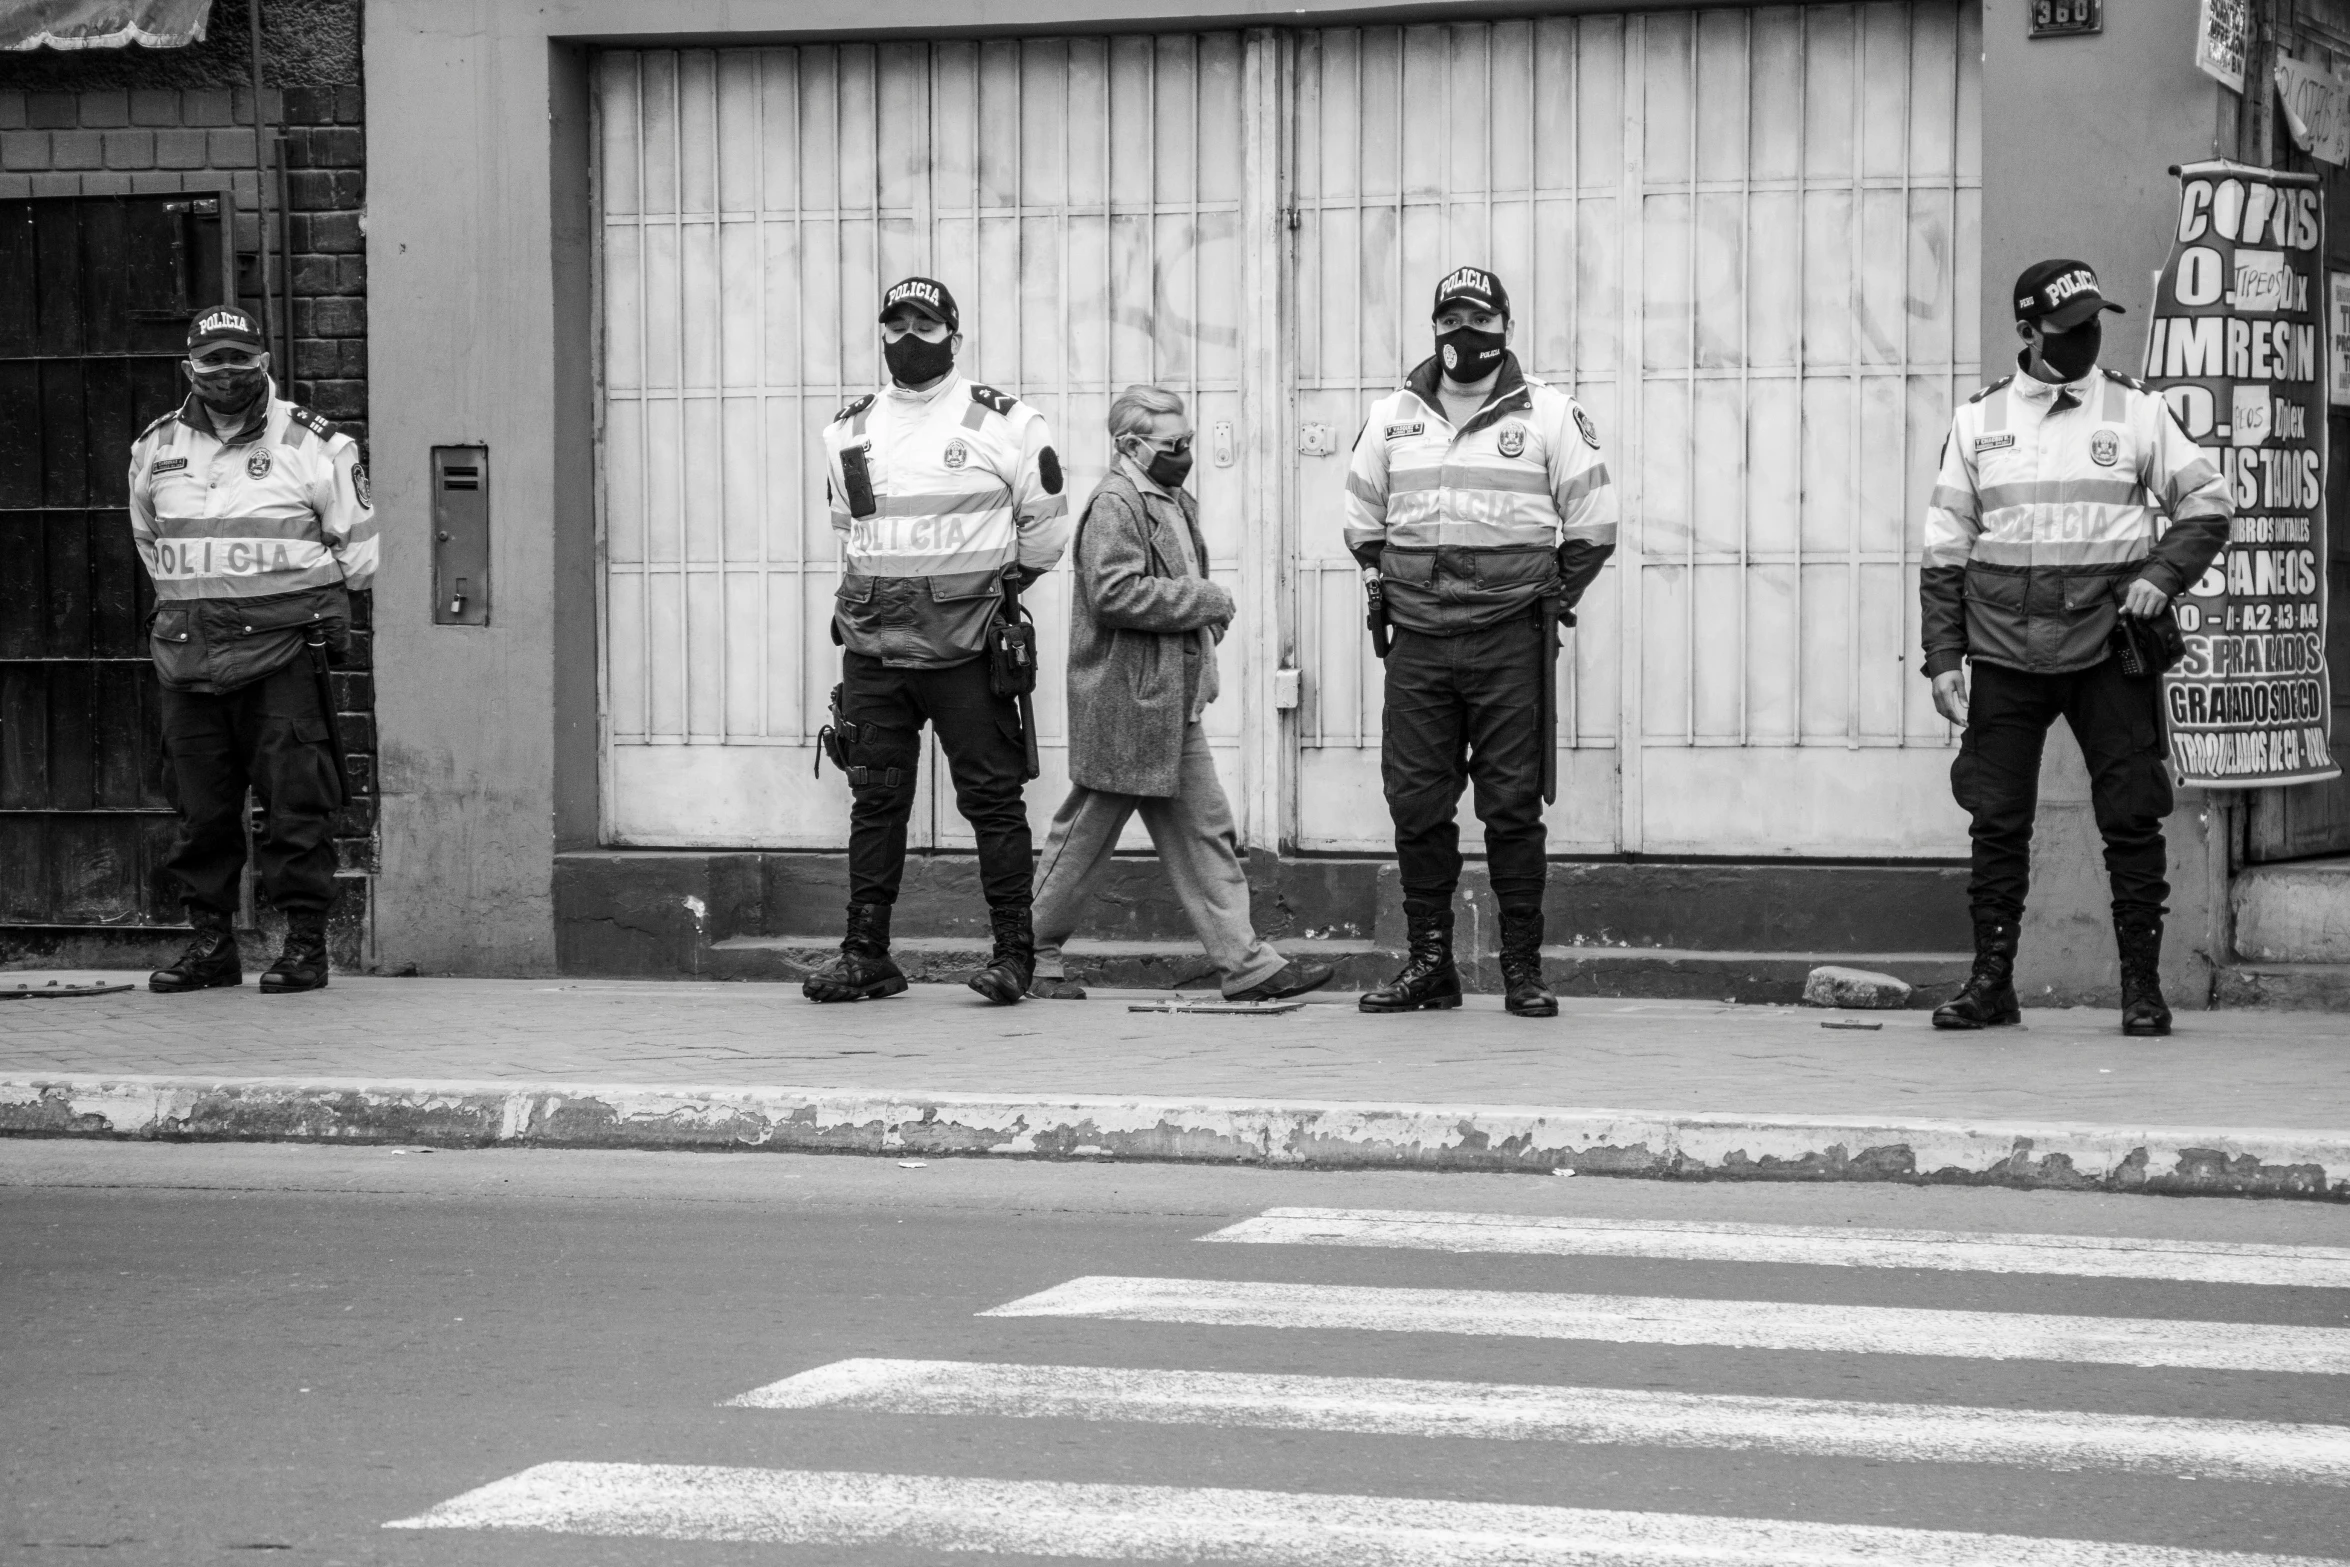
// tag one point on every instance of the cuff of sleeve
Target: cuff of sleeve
(2163, 575)
(1944, 661)
(1367, 554)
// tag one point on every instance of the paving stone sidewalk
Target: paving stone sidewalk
(2229, 1069)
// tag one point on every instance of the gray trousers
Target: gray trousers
(1197, 843)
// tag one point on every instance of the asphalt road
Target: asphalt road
(232, 1354)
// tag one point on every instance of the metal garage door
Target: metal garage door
(1082, 199)
(1747, 240)
(1764, 224)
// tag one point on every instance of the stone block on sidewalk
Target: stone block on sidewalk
(1832, 985)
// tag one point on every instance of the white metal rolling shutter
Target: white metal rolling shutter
(1081, 197)
(1747, 240)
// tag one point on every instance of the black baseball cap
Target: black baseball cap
(224, 324)
(927, 295)
(1475, 286)
(2059, 294)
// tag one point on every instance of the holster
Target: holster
(315, 645)
(1011, 667)
(835, 739)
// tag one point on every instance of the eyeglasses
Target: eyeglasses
(219, 359)
(1175, 447)
(916, 326)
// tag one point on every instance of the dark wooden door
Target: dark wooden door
(95, 295)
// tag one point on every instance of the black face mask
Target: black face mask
(2069, 355)
(1468, 354)
(229, 393)
(913, 360)
(1167, 470)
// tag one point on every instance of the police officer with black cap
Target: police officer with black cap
(1479, 506)
(948, 498)
(252, 516)
(2070, 510)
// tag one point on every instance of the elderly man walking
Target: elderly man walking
(1143, 629)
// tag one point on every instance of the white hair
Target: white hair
(1132, 413)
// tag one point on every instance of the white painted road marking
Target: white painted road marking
(2086, 1256)
(1736, 1324)
(1392, 1406)
(1259, 1528)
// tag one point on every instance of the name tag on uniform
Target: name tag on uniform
(1992, 443)
(1398, 431)
(168, 465)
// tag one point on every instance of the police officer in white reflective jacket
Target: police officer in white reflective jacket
(2049, 570)
(946, 494)
(1479, 506)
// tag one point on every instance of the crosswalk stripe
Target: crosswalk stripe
(1738, 1324)
(1259, 1528)
(2085, 1256)
(1394, 1406)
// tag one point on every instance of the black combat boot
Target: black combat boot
(2144, 1013)
(1013, 964)
(302, 966)
(211, 959)
(863, 970)
(1987, 1000)
(1523, 994)
(1428, 981)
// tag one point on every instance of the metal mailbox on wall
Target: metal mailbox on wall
(461, 535)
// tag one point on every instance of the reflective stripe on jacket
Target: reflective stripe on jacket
(964, 483)
(250, 540)
(2051, 499)
(1470, 527)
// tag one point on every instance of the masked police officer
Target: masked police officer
(945, 492)
(252, 517)
(1479, 507)
(2044, 533)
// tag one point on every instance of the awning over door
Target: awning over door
(101, 24)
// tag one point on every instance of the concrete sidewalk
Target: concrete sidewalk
(2244, 1102)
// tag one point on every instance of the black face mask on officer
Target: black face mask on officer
(1469, 355)
(2068, 355)
(914, 359)
(230, 387)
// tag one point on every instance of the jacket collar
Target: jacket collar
(2058, 396)
(1509, 391)
(192, 415)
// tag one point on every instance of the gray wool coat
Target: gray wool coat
(1132, 611)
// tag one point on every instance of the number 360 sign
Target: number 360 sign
(2057, 18)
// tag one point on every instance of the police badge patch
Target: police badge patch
(1511, 438)
(359, 484)
(957, 454)
(1590, 430)
(257, 465)
(2105, 448)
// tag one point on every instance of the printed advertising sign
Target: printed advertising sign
(2238, 348)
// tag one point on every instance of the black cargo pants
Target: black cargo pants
(988, 759)
(270, 736)
(2118, 722)
(1466, 708)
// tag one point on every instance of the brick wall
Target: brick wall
(104, 122)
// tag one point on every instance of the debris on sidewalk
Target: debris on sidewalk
(1221, 1008)
(1846, 1022)
(33, 987)
(1859, 989)
(913, 1164)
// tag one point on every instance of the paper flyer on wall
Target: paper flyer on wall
(2238, 348)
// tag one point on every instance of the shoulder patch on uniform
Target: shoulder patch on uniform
(989, 397)
(1590, 430)
(317, 424)
(854, 409)
(1048, 468)
(2130, 382)
(1988, 390)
